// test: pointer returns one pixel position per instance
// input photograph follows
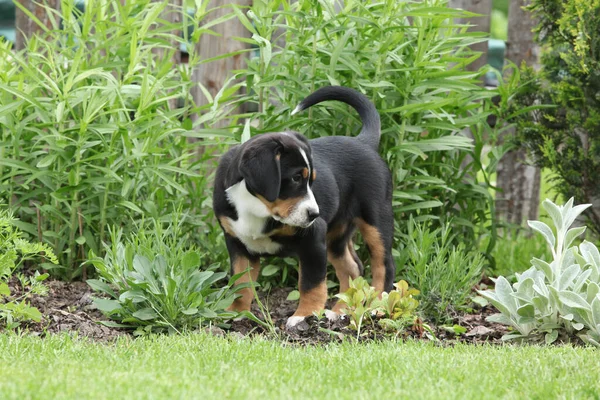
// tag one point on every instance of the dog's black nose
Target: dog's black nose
(312, 215)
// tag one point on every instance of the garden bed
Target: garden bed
(68, 307)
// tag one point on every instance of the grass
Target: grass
(201, 366)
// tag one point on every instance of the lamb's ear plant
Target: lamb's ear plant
(558, 299)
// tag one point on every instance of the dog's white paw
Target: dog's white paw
(332, 315)
(293, 321)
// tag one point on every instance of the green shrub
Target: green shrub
(14, 251)
(88, 136)
(556, 299)
(154, 281)
(444, 273)
(566, 137)
(409, 58)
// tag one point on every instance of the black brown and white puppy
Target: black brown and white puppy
(281, 194)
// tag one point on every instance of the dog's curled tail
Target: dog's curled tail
(371, 130)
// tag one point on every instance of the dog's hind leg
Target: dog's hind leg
(341, 254)
(378, 236)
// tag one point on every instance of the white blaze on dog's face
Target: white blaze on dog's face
(304, 211)
(277, 169)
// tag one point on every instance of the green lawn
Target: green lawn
(203, 367)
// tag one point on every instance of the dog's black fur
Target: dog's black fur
(352, 187)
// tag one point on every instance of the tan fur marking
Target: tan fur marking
(345, 268)
(372, 237)
(285, 230)
(279, 207)
(278, 156)
(305, 173)
(312, 300)
(240, 264)
(226, 224)
(335, 232)
(314, 174)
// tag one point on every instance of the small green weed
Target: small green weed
(399, 307)
(14, 251)
(394, 311)
(154, 281)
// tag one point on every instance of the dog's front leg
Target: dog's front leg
(312, 253)
(241, 261)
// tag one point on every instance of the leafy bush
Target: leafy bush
(14, 251)
(89, 137)
(443, 272)
(394, 311)
(154, 282)
(559, 299)
(566, 137)
(409, 58)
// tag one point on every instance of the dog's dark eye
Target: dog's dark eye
(297, 178)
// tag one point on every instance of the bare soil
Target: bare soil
(68, 308)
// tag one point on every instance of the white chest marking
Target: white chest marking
(252, 216)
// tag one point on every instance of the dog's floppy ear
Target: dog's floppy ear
(260, 167)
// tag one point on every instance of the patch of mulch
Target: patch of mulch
(68, 308)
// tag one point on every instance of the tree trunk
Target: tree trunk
(518, 181)
(213, 75)
(172, 15)
(26, 27)
(480, 24)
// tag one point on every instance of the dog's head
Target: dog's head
(277, 169)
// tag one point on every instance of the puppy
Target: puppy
(281, 194)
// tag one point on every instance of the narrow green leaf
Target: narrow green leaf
(101, 286)
(4, 289)
(105, 305)
(293, 295)
(269, 270)
(145, 314)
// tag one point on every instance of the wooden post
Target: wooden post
(519, 182)
(172, 15)
(25, 26)
(480, 24)
(213, 75)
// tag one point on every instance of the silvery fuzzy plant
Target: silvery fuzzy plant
(556, 299)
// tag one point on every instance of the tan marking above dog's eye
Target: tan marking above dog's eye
(314, 174)
(305, 173)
